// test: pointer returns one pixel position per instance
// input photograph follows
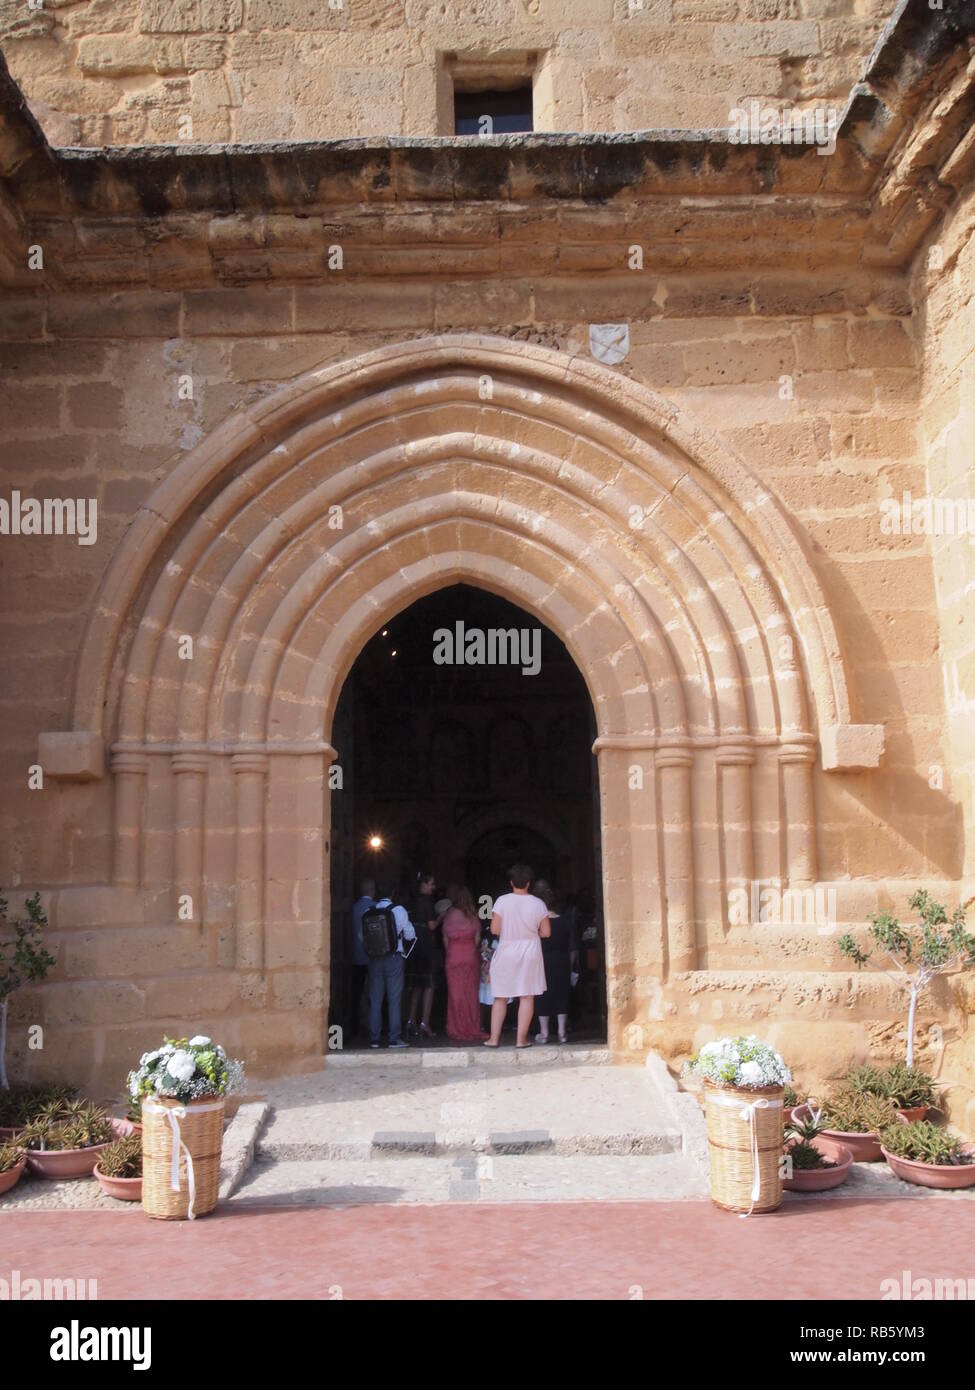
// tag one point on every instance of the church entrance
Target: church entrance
(464, 734)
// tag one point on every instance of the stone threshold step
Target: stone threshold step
(460, 1057)
(396, 1144)
(474, 1178)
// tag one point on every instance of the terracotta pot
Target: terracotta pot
(64, 1163)
(125, 1189)
(916, 1112)
(124, 1127)
(11, 1177)
(822, 1179)
(943, 1175)
(865, 1148)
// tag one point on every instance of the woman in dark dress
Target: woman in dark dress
(425, 965)
(557, 954)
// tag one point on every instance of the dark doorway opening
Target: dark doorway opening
(464, 735)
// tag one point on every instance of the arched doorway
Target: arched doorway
(678, 584)
(464, 732)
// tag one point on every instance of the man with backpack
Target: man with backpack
(385, 927)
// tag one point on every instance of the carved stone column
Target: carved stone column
(129, 768)
(796, 758)
(673, 768)
(190, 772)
(735, 760)
(250, 776)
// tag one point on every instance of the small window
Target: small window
(493, 113)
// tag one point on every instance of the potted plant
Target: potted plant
(21, 1104)
(183, 1087)
(855, 1119)
(813, 1163)
(744, 1080)
(791, 1100)
(923, 1153)
(866, 1080)
(66, 1139)
(131, 1121)
(119, 1169)
(22, 959)
(935, 945)
(12, 1161)
(910, 1090)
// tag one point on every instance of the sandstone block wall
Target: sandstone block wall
(126, 72)
(823, 407)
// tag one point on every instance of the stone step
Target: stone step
(449, 1057)
(486, 1178)
(403, 1112)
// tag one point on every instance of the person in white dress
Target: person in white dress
(519, 920)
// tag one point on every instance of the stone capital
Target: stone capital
(851, 746)
(75, 756)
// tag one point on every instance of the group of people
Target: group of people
(411, 948)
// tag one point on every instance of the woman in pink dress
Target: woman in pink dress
(461, 932)
(520, 920)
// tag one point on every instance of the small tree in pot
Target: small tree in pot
(21, 960)
(935, 945)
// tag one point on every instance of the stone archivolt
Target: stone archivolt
(701, 630)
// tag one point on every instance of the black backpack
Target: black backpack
(380, 936)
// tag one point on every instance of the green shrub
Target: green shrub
(123, 1159)
(806, 1156)
(21, 1104)
(790, 1098)
(865, 1081)
(933, 946)
(924, 1142)
(857, 1112)
(67, 1125)
(907, 1087)
(10, 1156)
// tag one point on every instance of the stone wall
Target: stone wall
(126, 72)
(945, 287)
(823, 407)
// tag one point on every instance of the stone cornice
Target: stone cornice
(171, 217)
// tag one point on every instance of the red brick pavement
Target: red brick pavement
(809, 1250)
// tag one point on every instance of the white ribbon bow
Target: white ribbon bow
(175, 1113)
(747, 1112)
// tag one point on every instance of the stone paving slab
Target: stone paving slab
(443, 1054)
(351, 1112)
(475, 1178)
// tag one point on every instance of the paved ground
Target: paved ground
(809, 1249)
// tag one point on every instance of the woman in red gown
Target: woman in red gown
(462, 940)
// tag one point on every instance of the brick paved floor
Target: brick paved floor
(689, 1249)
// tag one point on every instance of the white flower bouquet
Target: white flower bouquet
(186, 1069)
(746, 1063)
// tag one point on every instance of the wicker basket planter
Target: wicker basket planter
(745, 1145)
(181, 1144)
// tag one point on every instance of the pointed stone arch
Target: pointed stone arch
(284, 540)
